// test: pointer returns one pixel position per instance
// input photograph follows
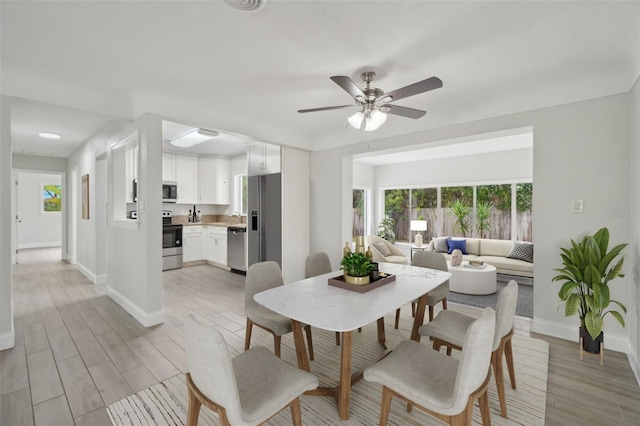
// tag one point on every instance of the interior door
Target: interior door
(16, 218)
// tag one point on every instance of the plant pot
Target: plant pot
(589, 344)
(357, 280)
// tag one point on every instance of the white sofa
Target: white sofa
(394, 256)
(493, 252)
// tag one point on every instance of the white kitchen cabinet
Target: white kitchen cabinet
(214, 180)
(168, 167)
(264, 158)
(216, 245)
(192, 243)
(187, 179)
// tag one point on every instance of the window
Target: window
(457, 211)
(524, 198)
(424, 206)
(240, 194)
(358, 212)
(396, 206)
(498, 200)
(51, 198)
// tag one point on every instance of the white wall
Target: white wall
(36, 162)
(7, 337)
(134, 268)
(37, 228)
(580, 150)
(633, 251)
(295, 212)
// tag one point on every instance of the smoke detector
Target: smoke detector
(247, 5)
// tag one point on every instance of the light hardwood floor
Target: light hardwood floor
(77, 351)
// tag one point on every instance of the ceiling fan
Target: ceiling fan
(375, 103)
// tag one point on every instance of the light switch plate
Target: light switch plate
(577, 205)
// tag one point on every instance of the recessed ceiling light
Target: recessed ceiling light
(47, 135)
(194, 137)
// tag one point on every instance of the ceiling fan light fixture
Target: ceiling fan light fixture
(356, 120)
(194, 137)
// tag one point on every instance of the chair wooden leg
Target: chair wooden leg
(307, 329)
(430, 313)
(444, 304)
(296, 416)
(337, 338)
(193, 412)
(385, 406)
(276, 345)
(247, 336)
(496, 362)
(413, 309)
(397, 318)
(508, 352)
(485, 412)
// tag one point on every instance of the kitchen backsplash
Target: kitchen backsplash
(210, 218)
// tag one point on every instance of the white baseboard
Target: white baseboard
(633, 361)
(86, 272)
(7, 340)
(144, 318)
(569, 332)
(101, 279)
(38, 245)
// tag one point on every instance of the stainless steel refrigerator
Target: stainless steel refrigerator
(264, 224)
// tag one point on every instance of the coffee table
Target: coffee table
(312, 301)
(470, 280)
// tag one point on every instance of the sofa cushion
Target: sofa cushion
(460, 244)
(440, 244)
(521, 250)
(382, 248)
(490, 247)
(473, 246)
(503, 263)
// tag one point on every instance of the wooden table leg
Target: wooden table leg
(301, 352)
(419, 318)
(381, 336)
(343, 393)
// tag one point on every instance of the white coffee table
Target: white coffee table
(469, 280)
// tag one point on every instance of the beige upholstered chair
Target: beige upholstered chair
(246, 390)
(318, 264)
(449, 329)
(392, 254)
(442, 386)
(260, 277)
(433, 260)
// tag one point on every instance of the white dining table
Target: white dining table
(312, 301)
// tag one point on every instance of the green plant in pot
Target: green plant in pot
(589, 266)
(357, 267)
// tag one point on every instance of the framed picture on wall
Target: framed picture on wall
(51, 198)
(85, 196)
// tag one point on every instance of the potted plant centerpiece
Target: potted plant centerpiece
(357, 267)
(589, 266)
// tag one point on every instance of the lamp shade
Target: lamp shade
(418, 225)
(356, 119)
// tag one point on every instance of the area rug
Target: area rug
(166, 402)
(524, 307)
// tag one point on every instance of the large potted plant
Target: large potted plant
(589, 266)
(357, 267)
(461, 211)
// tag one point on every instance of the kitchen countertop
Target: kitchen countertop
(223, 224)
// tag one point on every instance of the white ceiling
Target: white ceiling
(207, 64)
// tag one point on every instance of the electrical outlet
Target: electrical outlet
(577, 205)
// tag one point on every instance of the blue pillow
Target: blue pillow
(457, 244)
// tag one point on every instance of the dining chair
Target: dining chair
(449, 329)
(433, 260)
(317, 264)
(443, 386)
(246, 390)
(263, 276)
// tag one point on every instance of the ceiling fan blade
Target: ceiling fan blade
(404, 111)
(348, 85)
(326, 108)
(413, 89)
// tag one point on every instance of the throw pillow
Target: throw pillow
(457, 244)
(382, 248)
(521, 250)
(440, 244)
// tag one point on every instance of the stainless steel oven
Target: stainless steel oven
(171, 243)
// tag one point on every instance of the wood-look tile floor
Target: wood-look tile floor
(77, 351)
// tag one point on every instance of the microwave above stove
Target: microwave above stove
(169, 192)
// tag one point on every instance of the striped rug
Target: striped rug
(166, 402)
